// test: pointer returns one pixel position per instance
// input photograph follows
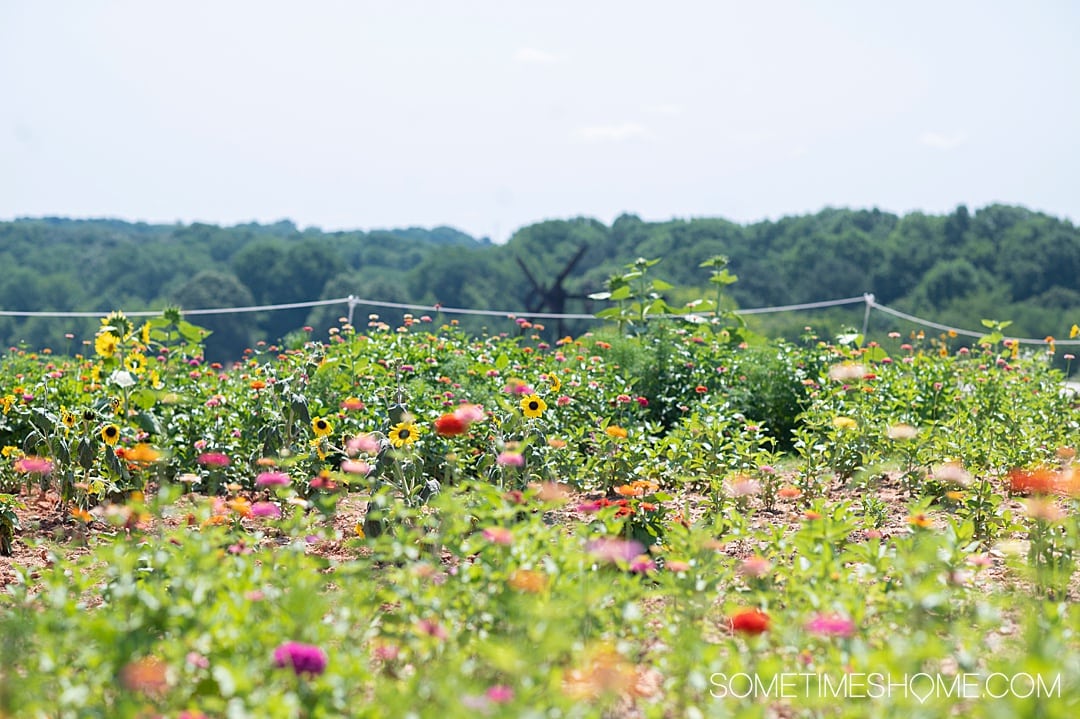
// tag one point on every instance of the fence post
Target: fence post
(869, 300)
(352, 304)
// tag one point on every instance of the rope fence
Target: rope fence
(352, 302)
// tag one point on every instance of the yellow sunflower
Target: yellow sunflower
(556, 383)
(403, 433)
(321, 427)
(135, 363)
(110, 433)
(106, 343)
(532, 405)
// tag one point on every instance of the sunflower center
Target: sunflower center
(534, 405)
(404, 434)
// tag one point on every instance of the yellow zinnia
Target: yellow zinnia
(532, 405)
(403, 433)
(844, 423)
(321, 427)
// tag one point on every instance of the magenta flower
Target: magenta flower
(642, 564)
(303, 658)
(265, 509)
(213, 459)
(353, 466)
(34, 465)
(500, 694)
(272, 479)
(831, 625)
(431, 628)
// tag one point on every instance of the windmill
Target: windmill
(552, 299)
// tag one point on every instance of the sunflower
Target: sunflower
(105, 344)
(135, 363)
(403, 433)
(68, 418)
(556, 383)
(321, 427)
(110, 433)
(144, 334)
(532, 405)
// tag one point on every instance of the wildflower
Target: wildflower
(272, 479)
(754, 567)
(110, 433)
(642, 564)
(213, 459)
(527, 580)
(606, 673)
(789, 492)
(135, 363)
(431, 628)
(510, 459)
(1043, 509)
(82, 515)
(500, 694)
(831, 625)
(701, 389)
(366, 443)
(257, 384)
(499, 535)
(451, 425)
(34, 465)
(353, 466)
(846, 372)
(265, 509)
(952, 473)
(743, 486)
(902, 432)
(321, 427)
(469, 413)
(352, 404)
(403, 433)
(563, 400)
(844, 423)
(302, 658)
(241, 506)
(613, 549)
(615, 432)
(920, 520)
(105, 344)
(142, 453)
(145, 675)
(532, 405)
(749, 621)
(1038, 481)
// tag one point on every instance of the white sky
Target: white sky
(488, 115)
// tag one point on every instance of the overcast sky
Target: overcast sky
(488, 115)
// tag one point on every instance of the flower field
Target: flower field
(409, 521)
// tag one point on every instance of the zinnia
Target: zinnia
(272, 479)
(303, 658)
(451, 425)
(749, 621)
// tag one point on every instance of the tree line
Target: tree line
(1000, 262)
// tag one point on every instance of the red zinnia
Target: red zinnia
(749, 621)
(450, 425)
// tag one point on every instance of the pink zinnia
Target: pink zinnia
(34, 465)
(500, 694)
(363, 443)
(831, 625)
(213, 459)
(642, 564)
(265, 509)
(511, 459)
(499, 535)
(272, 479)
(469, 413)
(612, 549)
(353, 466)
(303, 658)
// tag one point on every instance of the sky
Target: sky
(488, 115)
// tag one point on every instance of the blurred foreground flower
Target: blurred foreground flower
(302, 658)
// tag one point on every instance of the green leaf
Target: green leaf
(144, 398)
(502, 362)
(661, 286)
(192, 333)
(620, 293)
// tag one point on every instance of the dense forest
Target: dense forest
(1000, 262)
